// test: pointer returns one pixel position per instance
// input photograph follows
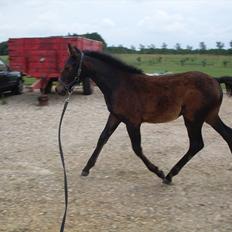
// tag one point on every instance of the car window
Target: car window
(2, 66)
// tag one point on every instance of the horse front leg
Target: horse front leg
(135, 136)
(110, 127)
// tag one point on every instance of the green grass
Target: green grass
(29, 80)
(4, 59)
(214, 65)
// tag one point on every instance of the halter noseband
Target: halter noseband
(69, 87)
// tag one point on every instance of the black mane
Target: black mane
(113, 61)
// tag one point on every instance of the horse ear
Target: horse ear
(71, 50)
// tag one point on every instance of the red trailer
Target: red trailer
(44, 58)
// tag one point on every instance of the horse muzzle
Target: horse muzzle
(60, 89)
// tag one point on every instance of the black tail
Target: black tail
(227, 80)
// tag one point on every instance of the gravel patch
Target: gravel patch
(120, 194)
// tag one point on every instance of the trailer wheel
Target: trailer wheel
(87, 88)
(48, 88)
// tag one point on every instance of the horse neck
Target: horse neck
(103, 75)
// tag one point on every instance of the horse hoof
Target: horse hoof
(84, 173)
(167, 181)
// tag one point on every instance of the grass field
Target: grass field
(215, 65)
(4, 58)
(211, 64)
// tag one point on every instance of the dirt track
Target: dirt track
(119, 194)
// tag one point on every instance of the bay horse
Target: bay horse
(132, 97)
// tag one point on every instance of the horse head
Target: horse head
(71, 73)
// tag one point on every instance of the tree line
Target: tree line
(150, 49)
(3, 48)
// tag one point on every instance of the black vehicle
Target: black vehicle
(10, 80)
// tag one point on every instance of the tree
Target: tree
(93, 35)
(178, 46)
(182, 62)
(188, 47)
(151, 46)
(202, 46)
(150, 49)
(220, 45)
(132, 48)
(204, 62)
(230, 44)
(164, 45)
(141, 48)
(159, 59)
(139, 59)
(4, 48)
(225, 63)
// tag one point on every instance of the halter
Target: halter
(69, 87)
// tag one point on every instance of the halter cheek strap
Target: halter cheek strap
(69, 87)
(79, 68)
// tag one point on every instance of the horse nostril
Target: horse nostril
(60, 90)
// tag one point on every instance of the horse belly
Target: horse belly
(162, 114)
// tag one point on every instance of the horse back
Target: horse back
(164, 98)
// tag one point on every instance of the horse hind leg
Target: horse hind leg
(195, 145)
(135, 136)
(222, 129)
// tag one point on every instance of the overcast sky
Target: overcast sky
(126, 22)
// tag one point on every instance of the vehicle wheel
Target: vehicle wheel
(48, 88)
(87, 89)
(19, 88)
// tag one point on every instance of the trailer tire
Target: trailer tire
(48, 88)
(87, 88)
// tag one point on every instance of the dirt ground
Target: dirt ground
(119, 194)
